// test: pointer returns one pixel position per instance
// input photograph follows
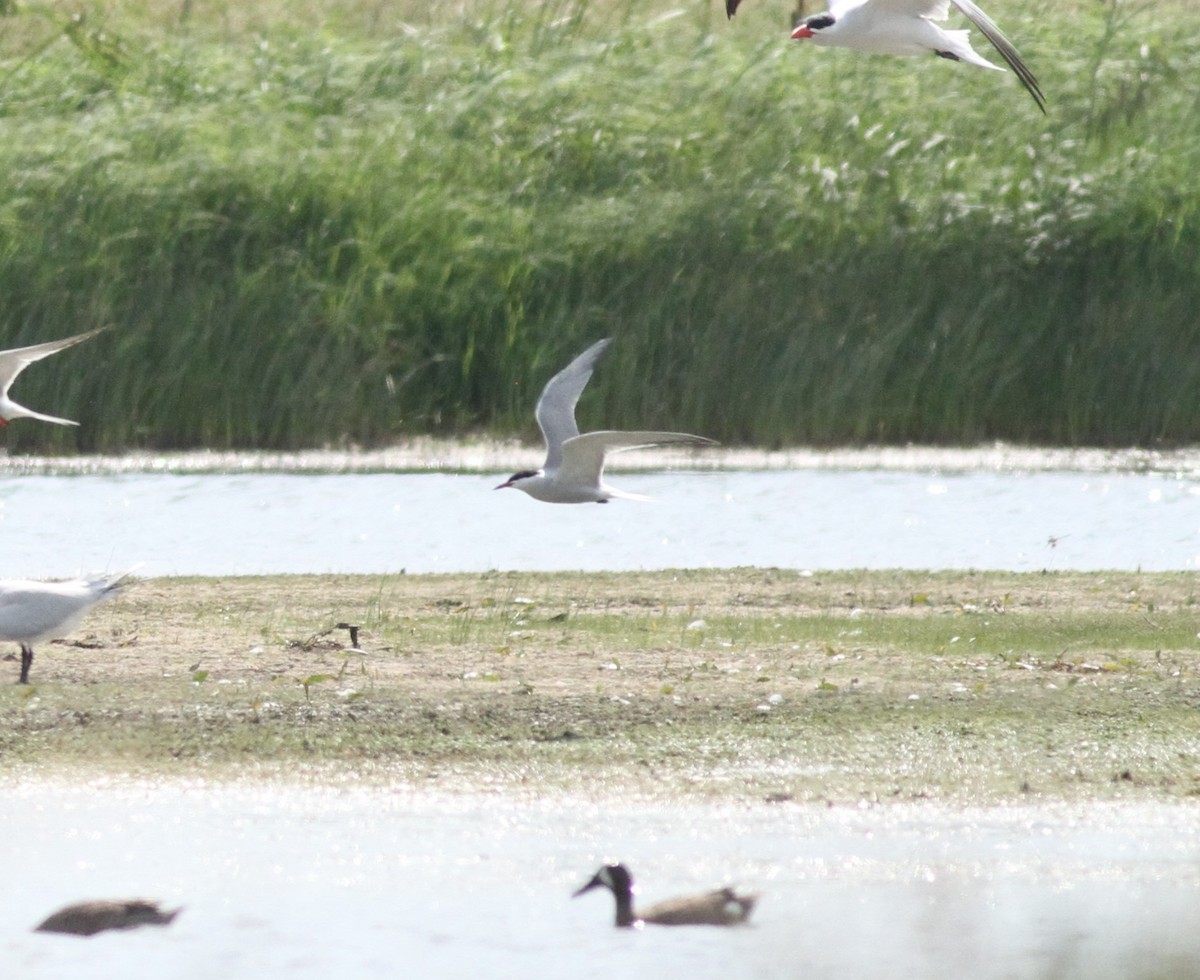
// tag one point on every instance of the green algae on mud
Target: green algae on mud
(839, 687)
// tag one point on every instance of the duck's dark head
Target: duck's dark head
(614, 877)
(516, 478)
(812, 26)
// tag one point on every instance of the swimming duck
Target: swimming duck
(89, 918)
(720, 907)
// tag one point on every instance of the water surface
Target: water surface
(251, 523)
(385, 881)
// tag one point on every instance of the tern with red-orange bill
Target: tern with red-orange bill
(906, 27)
(574, 469)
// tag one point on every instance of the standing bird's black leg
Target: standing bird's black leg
(26, 662)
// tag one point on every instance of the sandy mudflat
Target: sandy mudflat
(741, 683)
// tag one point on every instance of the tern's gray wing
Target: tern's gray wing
(583, 456)
(556, 406)
(34, 610)
(836, 7)
(13, 362)
(987, 27)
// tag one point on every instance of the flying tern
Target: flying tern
(574, 467)
(906, 27)
(13, 362)
(32, 611)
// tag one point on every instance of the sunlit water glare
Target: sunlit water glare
(390, 881)
(220, 524)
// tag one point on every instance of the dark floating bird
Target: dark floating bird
(720, 907)
(89, 918)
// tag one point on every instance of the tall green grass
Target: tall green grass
(301, 232)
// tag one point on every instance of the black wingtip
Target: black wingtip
(1004, 47)
(1031, 85)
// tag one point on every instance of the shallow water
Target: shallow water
(388, 880)
(251, 523)
(394, 880)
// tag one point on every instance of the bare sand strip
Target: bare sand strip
(746, 683)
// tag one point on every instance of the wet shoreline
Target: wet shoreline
(429, 455)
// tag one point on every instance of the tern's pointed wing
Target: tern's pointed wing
(885, 9)
(13, 362)
(940, 10)
(987, 27)
(556, 406)
(100, 584)
(29, 609)
(583, 456)
(835, 7)
(28, 413)
(928, 9)
(839, 8)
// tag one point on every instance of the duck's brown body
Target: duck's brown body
(720, 907)
(89, 918)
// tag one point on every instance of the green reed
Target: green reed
(301, 232)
